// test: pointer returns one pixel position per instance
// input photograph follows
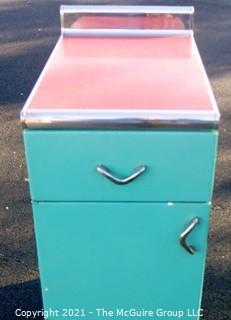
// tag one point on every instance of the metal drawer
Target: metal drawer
(62, 165)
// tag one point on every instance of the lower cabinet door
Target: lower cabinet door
(121, 260)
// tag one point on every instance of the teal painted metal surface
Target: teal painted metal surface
(62, 165)
(120, 255)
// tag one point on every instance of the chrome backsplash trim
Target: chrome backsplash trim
(125, 10)
(125, 33)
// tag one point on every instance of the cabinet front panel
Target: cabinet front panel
(62, 165)
(120, 256)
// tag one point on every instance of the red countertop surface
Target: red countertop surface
(157, 73)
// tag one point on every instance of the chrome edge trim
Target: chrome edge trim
(92, 119)
(206, 80)
(127, 9)
(125, 32)
(39, 80)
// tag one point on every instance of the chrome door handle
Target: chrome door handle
(106, 173)
(183, 237)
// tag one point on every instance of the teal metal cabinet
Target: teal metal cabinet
(120, 256)
(120, 135)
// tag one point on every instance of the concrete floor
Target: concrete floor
(29, 30)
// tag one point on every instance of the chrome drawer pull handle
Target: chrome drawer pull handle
(106, 173)
(185, 234)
